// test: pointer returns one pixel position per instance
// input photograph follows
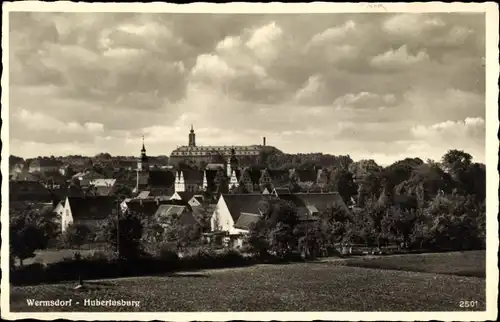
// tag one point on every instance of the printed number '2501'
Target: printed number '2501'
(469, 304)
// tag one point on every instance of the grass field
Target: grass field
(318, 286)
(470, 263)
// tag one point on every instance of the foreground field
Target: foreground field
(470, 263)
(321, 286)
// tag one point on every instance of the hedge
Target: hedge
(98, 267)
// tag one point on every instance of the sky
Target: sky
(379, 86)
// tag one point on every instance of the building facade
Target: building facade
(205, 154)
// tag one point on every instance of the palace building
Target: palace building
(205, 154)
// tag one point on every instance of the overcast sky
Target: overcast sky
(381, 86)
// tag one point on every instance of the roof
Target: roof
(29, 191)
(143, 194)
(282, 191)
(103, 182)
(103, 190)
(315, 201)
(186, 195)
(25, 176)
(214, 166)
(91, 207)
(192, 176)
(88, 175)
(161, 178)
(245, 220)
(144, 207)
(164, 211)
(243, 203)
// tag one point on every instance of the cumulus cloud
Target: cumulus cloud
(399, 58)
(98, 82)
(412, 24)
(333, 34)
(364, 100)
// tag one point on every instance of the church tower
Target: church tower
(192, 137)
(142, 169)
(143, 163)
(179, 182)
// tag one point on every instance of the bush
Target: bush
(104, 265)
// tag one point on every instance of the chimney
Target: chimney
(264, 141)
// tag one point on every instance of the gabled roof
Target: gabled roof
(91, 207)
(243, 203)
(245, 221)
(281, 191)
(165, 211)
(186, 195)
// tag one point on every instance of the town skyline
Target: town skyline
(372, 86)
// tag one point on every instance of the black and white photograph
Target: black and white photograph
(220, 159)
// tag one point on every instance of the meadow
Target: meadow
(331, 285)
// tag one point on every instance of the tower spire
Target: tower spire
(143, 146)
(192, 137)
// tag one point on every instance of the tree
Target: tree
(343, 182)
(124, 234)
(123, 192)
(27, 233)
(275, 230)
(76, 235)
(456, 163)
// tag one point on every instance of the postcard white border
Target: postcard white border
(492, 146)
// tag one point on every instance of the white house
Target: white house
(234, 214)
(91, 211)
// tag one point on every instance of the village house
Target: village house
(192, 199)
(166, 214)
(91, 211)
(44, 165)
(233, 216)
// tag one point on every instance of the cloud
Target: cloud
(399, 58)
(365, 100)
(412, 24)
(333, 34)
(470, 128)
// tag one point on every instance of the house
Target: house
(102, 182)
(167, 213)
(86, 177)
(17, 168)
(59, 208)
(91, 211)
(103, 190)
(144, 208)
(24, 176)
(281, 192)
(226, 219)
(191, 198)
(44, 165)
(313, 204)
